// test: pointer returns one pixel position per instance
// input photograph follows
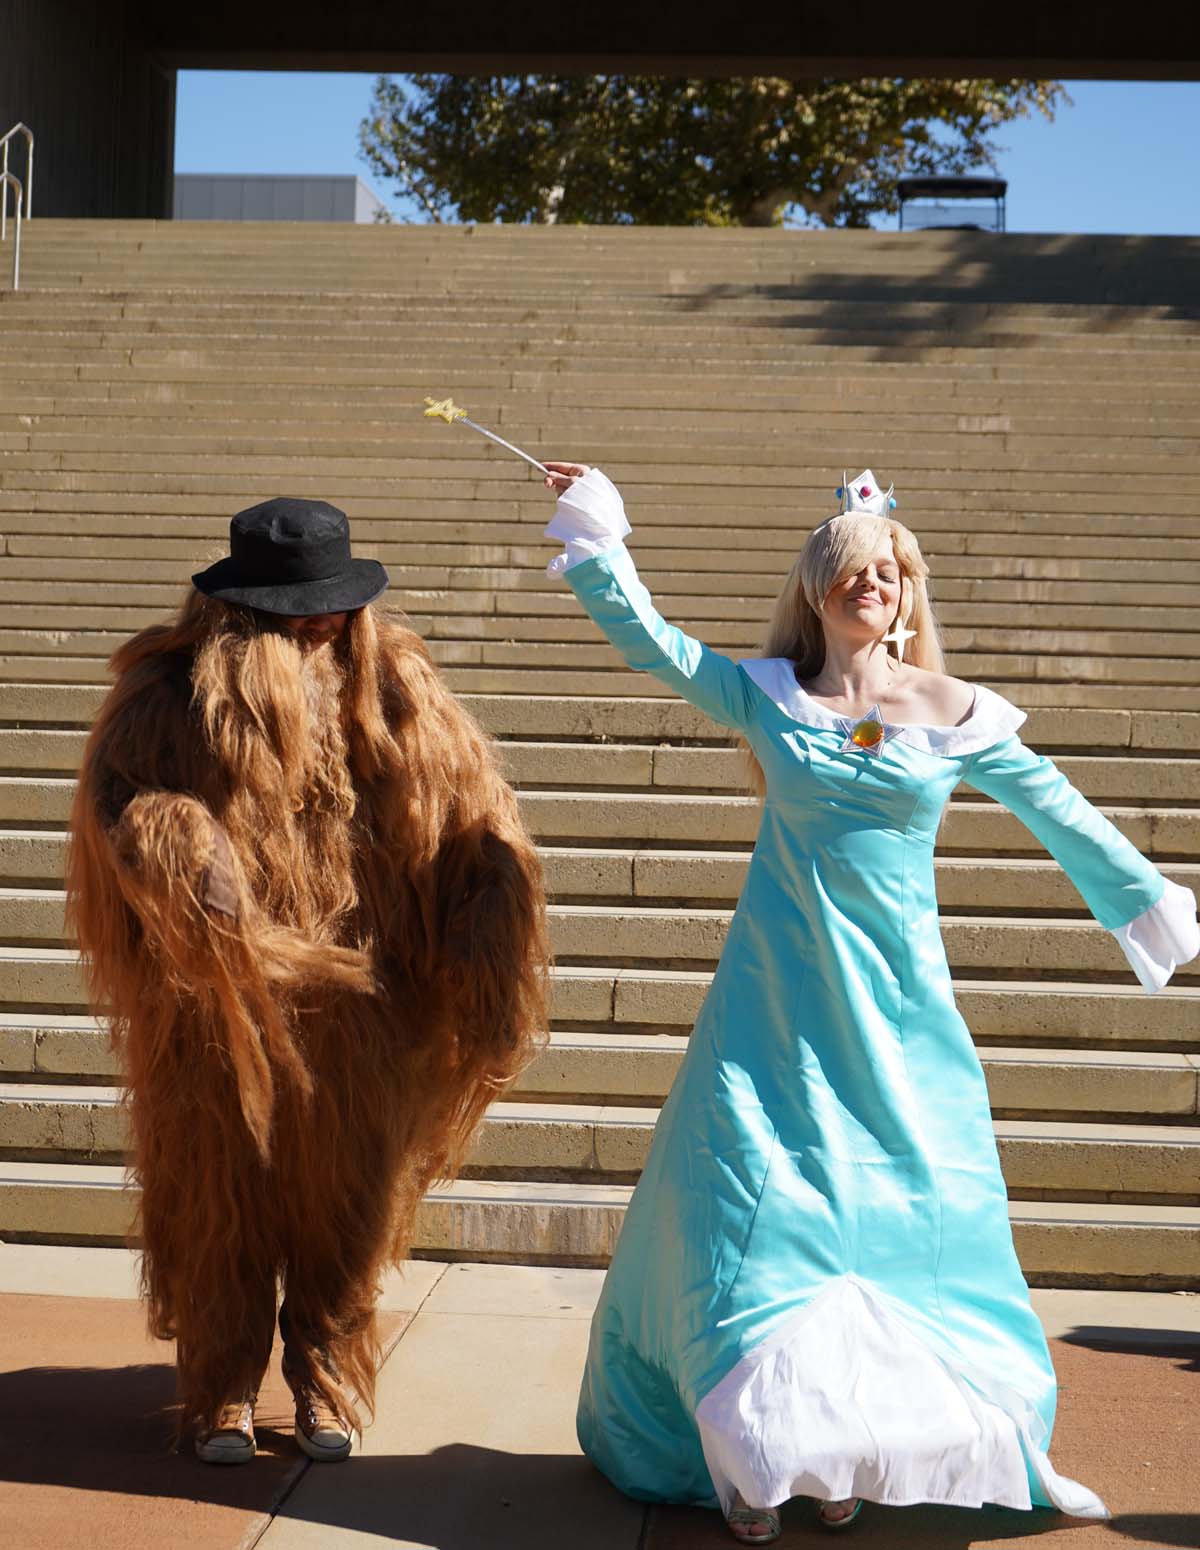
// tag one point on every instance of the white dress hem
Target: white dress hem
(829, 1405)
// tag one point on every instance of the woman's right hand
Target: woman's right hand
(563, 475)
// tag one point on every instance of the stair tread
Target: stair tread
(595, 1114)
(525, 1192)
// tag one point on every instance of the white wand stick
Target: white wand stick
(446, 409)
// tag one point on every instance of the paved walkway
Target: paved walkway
(474, 1443)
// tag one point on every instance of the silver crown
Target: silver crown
(864, 495)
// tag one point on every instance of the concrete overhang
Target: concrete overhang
(683, 37)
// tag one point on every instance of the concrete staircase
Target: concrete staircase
(1034, 400)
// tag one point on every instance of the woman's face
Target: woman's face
(314, 630)
(861, 607)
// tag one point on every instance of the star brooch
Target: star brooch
(868, 734)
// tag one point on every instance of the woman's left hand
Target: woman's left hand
(563, 475)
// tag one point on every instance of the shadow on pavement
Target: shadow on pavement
(1159, 1528)
(1181, 1346)
(465, 1497)
(111, 1429)
(97, 1445)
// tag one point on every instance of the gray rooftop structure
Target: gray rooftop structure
(235, 196)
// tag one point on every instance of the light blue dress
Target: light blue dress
(815, 1289)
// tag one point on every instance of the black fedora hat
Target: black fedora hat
(291, 556)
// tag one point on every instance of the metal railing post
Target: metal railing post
(22, 129)
(7, 178)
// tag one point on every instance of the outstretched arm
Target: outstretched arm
(590, 520)
(1152, 918)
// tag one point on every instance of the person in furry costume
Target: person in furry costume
(306, 901)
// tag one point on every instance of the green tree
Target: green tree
(615, 149)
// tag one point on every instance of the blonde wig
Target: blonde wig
(838, 548)
(298, 1071)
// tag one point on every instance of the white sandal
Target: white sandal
(845, 1519)
(742, 1519)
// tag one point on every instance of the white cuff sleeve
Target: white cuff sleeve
(1161, 938)
(589, 518)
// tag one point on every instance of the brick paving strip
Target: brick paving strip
(474, 1444)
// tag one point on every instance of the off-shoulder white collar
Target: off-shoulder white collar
(992, 717)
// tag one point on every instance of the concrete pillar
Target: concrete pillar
(101, 106)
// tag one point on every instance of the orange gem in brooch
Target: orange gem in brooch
(868, 734)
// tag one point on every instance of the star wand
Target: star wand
(446, 409)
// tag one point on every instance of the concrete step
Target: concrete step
(491, 536)
(657, 876)
(38, 621)
(639, 1069)
(933, 398)
(696, 577)
(1036, 1013)
(616, 934)
(1024, 364)
(536, 641)
(517, 518)
(348, 346)
(382, 413)
(497, 541)
(501, 538)
(1061, 685)
(636, 718)
(1033, 1014)
(50, 416)
(1058, 688)
(513, 1221)
(1028, 357)
(26, 655)
(619, 317)
(639, 469)
(608, 1143)
(937, 398)
(417, 313)
(44, 310)
(972, 828)
(636, 766)
(529, 591)
(1120, 656)
(37, 611)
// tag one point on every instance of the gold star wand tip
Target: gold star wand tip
(444, 409)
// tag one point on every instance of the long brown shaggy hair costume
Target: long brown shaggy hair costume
(301, 1069)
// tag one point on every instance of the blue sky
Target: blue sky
(1122, 159)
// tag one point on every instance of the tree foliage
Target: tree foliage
(615, 149)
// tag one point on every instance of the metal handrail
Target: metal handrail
(5, 179)
(21, 129)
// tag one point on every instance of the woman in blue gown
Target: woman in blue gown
(815, 1290)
